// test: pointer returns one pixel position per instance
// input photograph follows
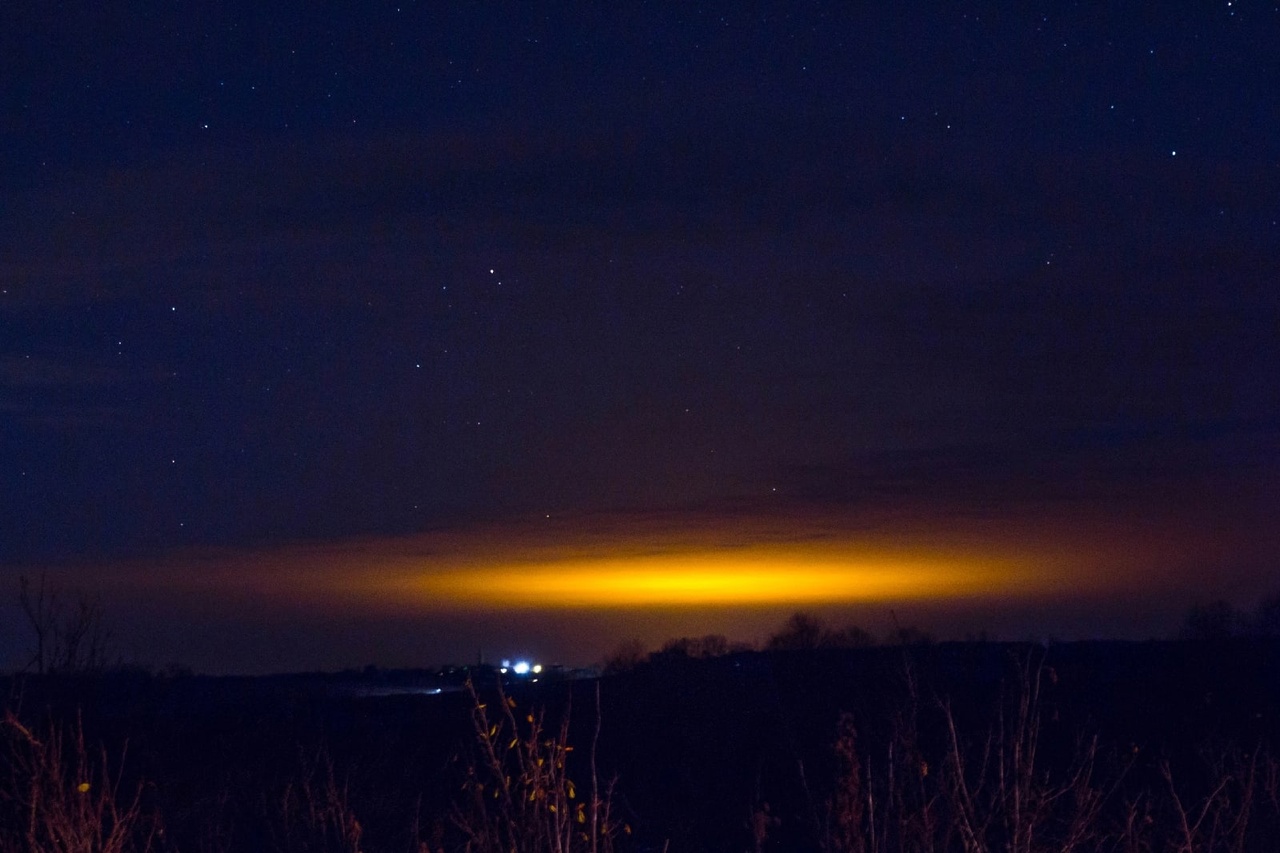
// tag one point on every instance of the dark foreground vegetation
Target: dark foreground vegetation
(981, 746)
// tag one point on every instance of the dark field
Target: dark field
(954, 746)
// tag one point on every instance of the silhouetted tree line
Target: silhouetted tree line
(924, 773)
(1222, 620)
(1215, 620)
(801, 632)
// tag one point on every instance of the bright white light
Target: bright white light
(537, 667)
(521, 667)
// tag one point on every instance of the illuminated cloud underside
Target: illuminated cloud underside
(709, 579)
(622, 563)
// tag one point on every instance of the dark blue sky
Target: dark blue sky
(805, 254)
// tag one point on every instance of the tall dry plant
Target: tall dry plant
(1226, 813)
(66, 798)
(993, 792)
(518, 795)
(887, 800)
(1002, 793)
(315, 814)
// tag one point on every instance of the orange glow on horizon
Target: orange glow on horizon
(573, 587)
(693, 582)
(619, 563)
(758, 577)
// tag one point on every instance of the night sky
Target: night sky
(334, 334)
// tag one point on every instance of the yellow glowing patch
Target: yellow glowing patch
(709, 580)
(738, 562)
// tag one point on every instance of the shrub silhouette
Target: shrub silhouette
(1215, 620)
(802, 631)
(627, 656)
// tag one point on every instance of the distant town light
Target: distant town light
(537, 667)
(522, 667)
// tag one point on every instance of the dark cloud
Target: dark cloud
(764, 261)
